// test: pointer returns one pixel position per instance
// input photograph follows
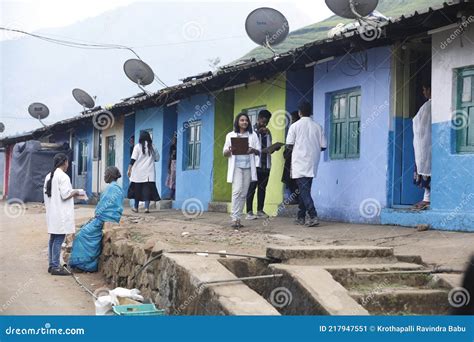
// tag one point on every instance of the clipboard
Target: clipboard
(240, 146)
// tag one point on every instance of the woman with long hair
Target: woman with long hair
(141, 172)
(241, 168)
(59, 204)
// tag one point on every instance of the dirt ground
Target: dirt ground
(27, 289)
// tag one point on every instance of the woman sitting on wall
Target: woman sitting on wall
(87, 244)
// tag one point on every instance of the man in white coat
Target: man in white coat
(422, 147)
(59, 203)
(305, 140)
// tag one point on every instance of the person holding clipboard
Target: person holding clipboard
(241, 146)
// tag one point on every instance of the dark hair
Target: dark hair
(236, 123)
(265, 114)
(305, 108)
(58, 160)
(111, 174)
(145, 137)
(295, 116)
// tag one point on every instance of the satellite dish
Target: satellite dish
(84, 99)
(2, 127)
(352, 9)
(39, 111)
(266, 26)
(139, 72)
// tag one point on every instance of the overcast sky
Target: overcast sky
(31, 15)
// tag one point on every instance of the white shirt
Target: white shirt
(422, 139)
(143, 170)
(59, 212)
(254, 142)
(307, 138)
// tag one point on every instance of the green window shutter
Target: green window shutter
(464, 122)
(193, 152)
(345, 125)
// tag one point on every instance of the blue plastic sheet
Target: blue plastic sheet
(87, 244)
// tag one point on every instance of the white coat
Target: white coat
(59, 211)
(143, 170)
(254, 142)
(422, 139)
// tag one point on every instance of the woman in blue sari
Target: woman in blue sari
(87, 244)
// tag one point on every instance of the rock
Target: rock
(422, 227)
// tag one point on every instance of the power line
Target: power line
(77, 45)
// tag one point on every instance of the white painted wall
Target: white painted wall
(451, 50)
(117, 130)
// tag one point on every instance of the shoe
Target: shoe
(59, 271)
(135, 210)
(147, 211)
(235, 225)
(251, 216)
(299, 222)
(312, 222)
(262, 214)
(50, 269)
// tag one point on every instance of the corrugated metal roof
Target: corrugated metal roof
(166, 95)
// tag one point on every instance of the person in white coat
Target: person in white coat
(141, 172)
(422, 147)
(59, 204)
(241, 169)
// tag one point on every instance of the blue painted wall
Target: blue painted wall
(162, 122)
(452, 188)
(299, 86)
(344, 186)
(128, 142)
(85, 132)
(195, 184)
(152, 118)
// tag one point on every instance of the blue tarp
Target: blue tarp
(87, 244)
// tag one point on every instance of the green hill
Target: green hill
(390, 8)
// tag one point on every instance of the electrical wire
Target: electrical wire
(77, 45)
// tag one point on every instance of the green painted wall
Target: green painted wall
(274, 98)
(224, 108)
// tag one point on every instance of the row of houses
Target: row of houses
(365, 92)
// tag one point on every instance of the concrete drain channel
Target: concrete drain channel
(345, 281)
(312, 280)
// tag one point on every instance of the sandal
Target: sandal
(422, 205)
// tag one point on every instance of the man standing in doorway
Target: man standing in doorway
(305, 140)
(422, 147)
(264, 163)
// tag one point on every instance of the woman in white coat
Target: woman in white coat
(141, 172)
(241, 168)
(59, 203)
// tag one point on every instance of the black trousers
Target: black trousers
(261, 185)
